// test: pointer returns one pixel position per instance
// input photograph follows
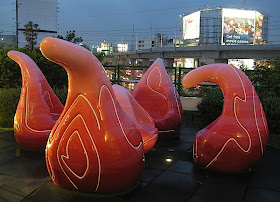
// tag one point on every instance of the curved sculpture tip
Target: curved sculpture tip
(61, 52)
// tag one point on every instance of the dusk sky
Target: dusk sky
(113, 20)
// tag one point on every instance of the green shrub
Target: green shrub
(9, 98)
(211, 108)
(271, 107)
(10, 74)
(211, 105)
(8, 104)
(61, 93)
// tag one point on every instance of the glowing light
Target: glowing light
(168, 160)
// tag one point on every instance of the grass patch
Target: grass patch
(6, 129)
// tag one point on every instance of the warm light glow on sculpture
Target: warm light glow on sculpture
(237, 139)
(94, 146)
(139, 116)
(156, 94)
(38, 107)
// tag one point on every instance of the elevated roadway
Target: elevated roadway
(216, 52)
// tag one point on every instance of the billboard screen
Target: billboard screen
(191, 24)
(241, 27)
(122, 47)
(259, 28)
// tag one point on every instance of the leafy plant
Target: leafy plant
(8, 104)
(211, 105)
(271, 107)
(30, 32)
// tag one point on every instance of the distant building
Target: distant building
(105, 48)
(6, 40)
(145, 43)
(41, 12)
(159, 40)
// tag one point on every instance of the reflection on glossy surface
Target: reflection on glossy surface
(156, 94)
(237, 139)
(139, 116)
(94, 146)
(38, 107)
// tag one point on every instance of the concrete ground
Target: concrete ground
(24, 177)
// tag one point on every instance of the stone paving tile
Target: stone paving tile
(8, 194)
(180, 166)
(5, 143)
(219, 192)
(169, 186)
(149, 174)
(5, 178)
(160, 162)
(4, 158)
(261, 194)
(50, 192)
(25, 185)
(20, 167)
(187, 138)
(14, 150)
(8, 135)
(267, 172)
(188, 130)
(84, 197)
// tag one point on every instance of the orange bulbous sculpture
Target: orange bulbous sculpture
(156, 94)
(38, 107)
(236, 140)
(94, 146)
(139, 116)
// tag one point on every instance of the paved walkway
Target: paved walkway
(24, 177)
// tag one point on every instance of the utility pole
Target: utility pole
(151, 36)
(133, 41)
(17, 22)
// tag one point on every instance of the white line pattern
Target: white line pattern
(177, 103)
(49, 96)
(117, 115)
(148, 78)
(98, 125)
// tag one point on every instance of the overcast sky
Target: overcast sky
(113, 20)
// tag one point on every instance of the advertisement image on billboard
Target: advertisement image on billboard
(122, 47)
(241, 27)
(191, 24)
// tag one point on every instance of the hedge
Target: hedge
(9, 98)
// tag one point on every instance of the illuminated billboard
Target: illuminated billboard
(122, 47)
(241, 27)
(191, 25)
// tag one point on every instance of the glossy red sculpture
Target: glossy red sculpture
(235, 141)
(38, 107)
(94, 146)
(139, 116)
(156, 94)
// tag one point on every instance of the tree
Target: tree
(71, 36)
(31, 31)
